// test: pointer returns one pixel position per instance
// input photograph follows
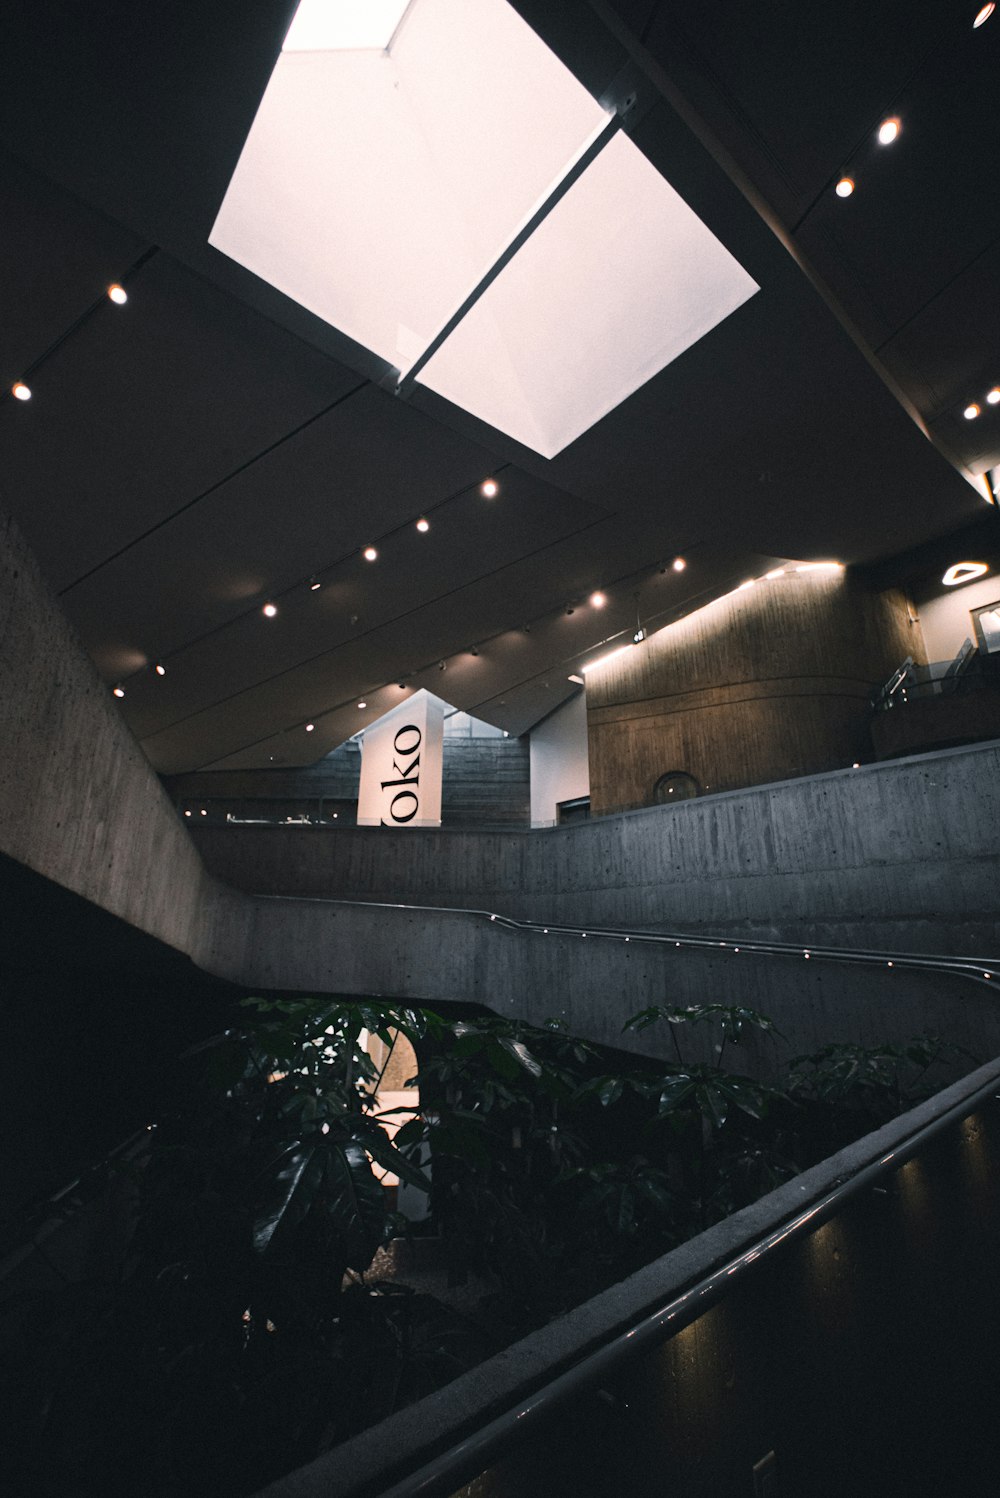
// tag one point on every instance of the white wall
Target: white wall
(946, 620)
(560, 770)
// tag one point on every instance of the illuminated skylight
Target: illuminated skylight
(344, 25)
(397, 155)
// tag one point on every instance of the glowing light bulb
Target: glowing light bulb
(119, 690)
(983, 15)
(598, 600)
(678, 564)
(160, 669)
(370, 554)
(971, 411)
(489, 489)
(993, 396)
(362, 704)
(118, 294)
(20, 391)
(844, 187)
(310, 727)
(269, 610)
(423, 525)
(888, 130)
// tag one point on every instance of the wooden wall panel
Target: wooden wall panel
(766, 684)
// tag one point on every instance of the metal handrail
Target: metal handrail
(444, 1473)
(982, 970)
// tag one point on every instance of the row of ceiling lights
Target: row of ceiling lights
(973, 409)
(890, 127)
(598, 599)
(21, 390)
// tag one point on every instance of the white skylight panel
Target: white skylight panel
(399, 150)
(338, 25)
(616, 283)
(378, 188)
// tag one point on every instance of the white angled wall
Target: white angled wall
(559, 765)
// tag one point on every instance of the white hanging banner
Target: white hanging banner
(401, 766)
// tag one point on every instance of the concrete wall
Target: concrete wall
(560, 768)
(78, 800)
(80, 805)
(902, 855)
(771, 681)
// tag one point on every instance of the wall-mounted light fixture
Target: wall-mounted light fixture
(963, 572)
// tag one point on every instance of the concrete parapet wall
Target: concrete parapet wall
(903, 855)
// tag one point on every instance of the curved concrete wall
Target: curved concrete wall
(768, 682)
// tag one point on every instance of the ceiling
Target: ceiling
(210, 445)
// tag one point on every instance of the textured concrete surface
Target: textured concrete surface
(900, 856)
(80, 805)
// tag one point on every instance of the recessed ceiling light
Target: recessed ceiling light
(118, 294)
(844, 187)
(362, 704)
(314, 585)
(423, 525)
(160, 669)
(598, 600)
(20, 391)
(971, 411)
(489, 489)
(119, 690)
(888, 130)
(984, 14)
(370, 554)
(993, 396)
(310, 727)
(269, 610)
(204, 812)
(187, 813)
(963, 572)
(679, 564)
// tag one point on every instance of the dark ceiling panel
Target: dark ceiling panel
(57, 257)
(808, 87)
(145, 408)
(944, 345)
(149, 607)
(346, 479)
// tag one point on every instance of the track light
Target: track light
(678, 564)
(971, 411)
(489, 489)
(844, 187)
(423, 525)
(269, 610)
(370, 554)
(983, 15)
(993, 396)
(160, 669)
(310, 727)
(888, 131)
(314, 584)
(119, 690)
(20, 391)
(117, 294)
